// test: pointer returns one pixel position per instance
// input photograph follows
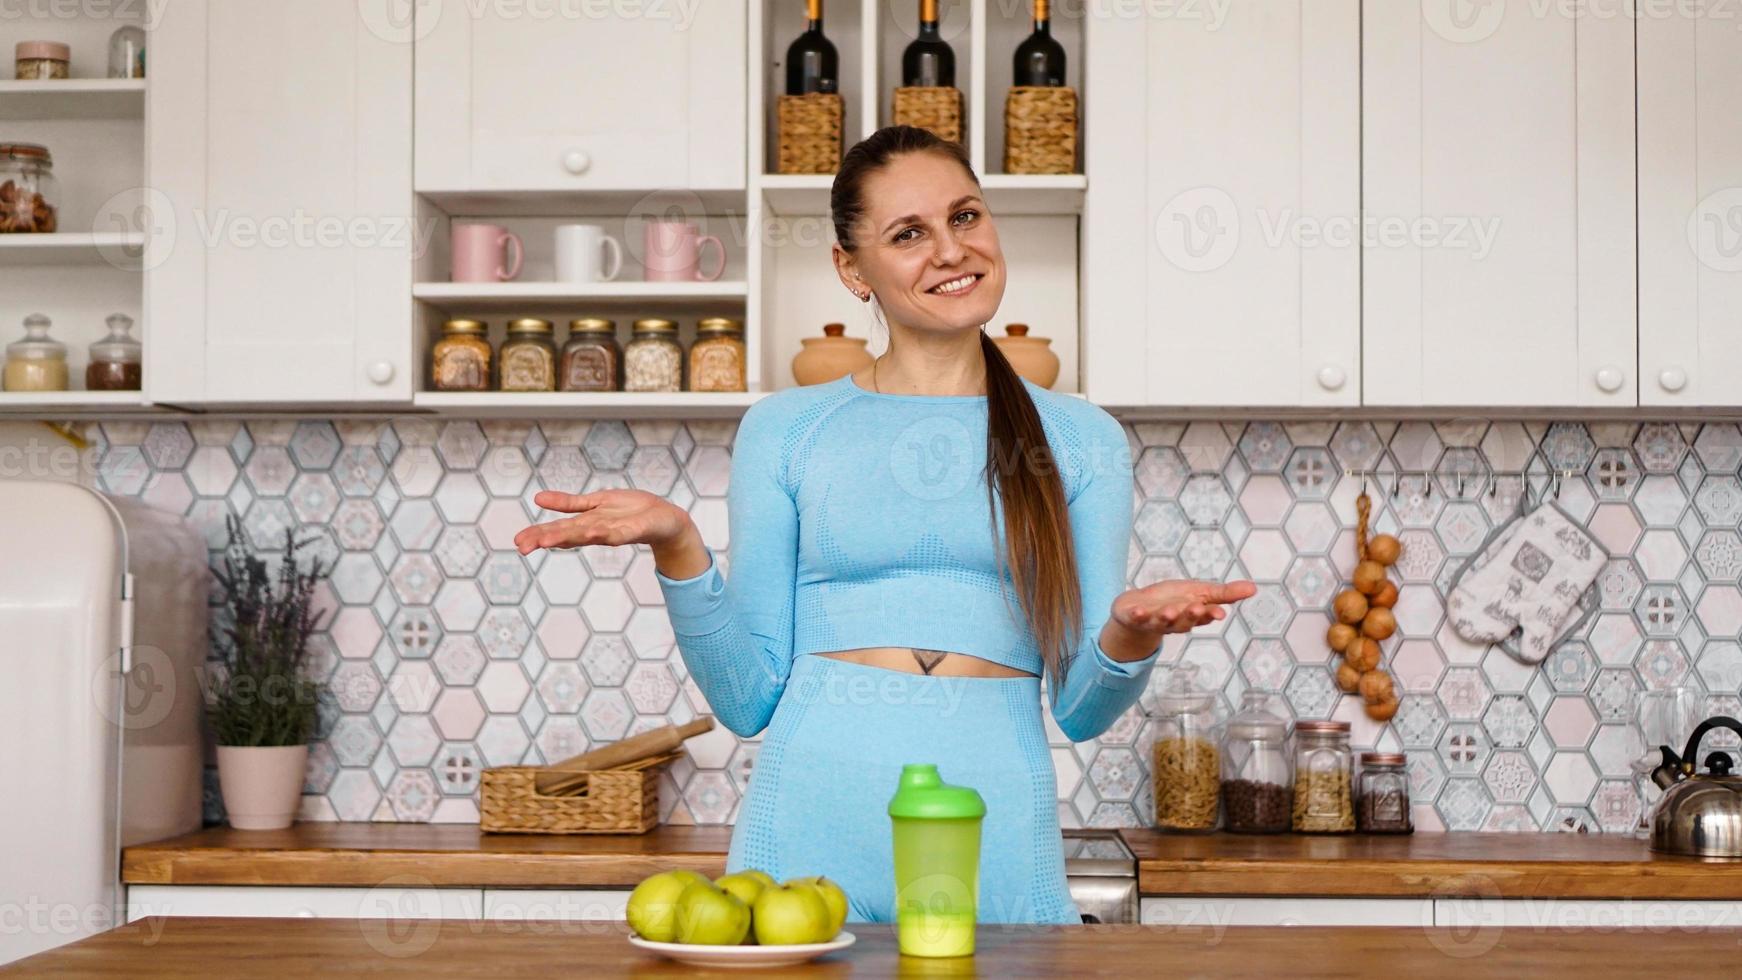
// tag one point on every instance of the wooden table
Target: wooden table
(182, 948)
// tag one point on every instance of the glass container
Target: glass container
(460, 360)
(40, 60)
(1382, 794)
(1322, 769)
(528, 358)
(1186, 766)
(36, 363)
(592, 360)
(29, 194)
(127, 52)
(717, 356)
(1257, 787)
(115, 360)
(653, 358)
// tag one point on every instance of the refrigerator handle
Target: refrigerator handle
(126, 630)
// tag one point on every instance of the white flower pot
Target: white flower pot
(261, 785)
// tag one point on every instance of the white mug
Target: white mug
(579, 253)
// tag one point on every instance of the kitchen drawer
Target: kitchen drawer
(1219, 912)
(1583, 914)
(380, 902)
(554, 904)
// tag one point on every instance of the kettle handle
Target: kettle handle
(1690, 757)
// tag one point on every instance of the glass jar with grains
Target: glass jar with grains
(1185, 762)
(38, 60)
(1382, 794)
(115, 360)
(36, 363)
(717, 356)
(592, 360)
(1322, 802)
(1257, 791)
(653, 358)
(528, 358)
(28, 190)
(460, 360)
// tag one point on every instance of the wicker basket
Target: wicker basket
(614, 801)
(809, 133)
(934, 107)
(1040, 130)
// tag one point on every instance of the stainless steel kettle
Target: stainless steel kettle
(1700, 814)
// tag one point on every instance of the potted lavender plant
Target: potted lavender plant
(261, 703)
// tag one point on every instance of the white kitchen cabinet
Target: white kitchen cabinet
(1690, 208)
(279, 197)
(580, 96)
(1498, 179)
(555, 904)
(1215, 912)
(1585, 915)
(1222, 265)
(386, 901)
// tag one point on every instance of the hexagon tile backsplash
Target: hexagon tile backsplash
(448, 652)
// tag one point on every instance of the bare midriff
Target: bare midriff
(917, 660)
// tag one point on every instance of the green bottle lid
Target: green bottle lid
(923, 794)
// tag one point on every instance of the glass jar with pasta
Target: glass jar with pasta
(1322, 801)
(1186, 763)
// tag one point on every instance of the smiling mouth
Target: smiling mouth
(958, 286)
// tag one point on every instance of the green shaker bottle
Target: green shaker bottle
(937, 863)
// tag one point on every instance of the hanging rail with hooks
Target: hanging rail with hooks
(1488, 478)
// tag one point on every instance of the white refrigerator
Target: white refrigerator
(103, 606)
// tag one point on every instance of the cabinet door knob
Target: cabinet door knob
(1672, 379)
(576, 162)
(1331, 377)
(381, 372)
(1610, 378)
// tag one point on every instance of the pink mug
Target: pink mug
(480, 253)
(672, 252)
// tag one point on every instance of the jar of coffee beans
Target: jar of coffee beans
(1382, 794)
(1322, 802)
(1186, 760)
(1257, 791)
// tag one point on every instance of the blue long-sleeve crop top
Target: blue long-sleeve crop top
(861, 519)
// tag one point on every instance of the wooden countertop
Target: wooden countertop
(1440, 865)
(444, 855)
(179, 948)
(1285, 865)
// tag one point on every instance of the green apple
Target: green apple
(653, 902)
(743, 884)
(833, 896)
(760, 875)
(791, 913)
(710, 916)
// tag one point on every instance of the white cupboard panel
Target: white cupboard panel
(1216, 912)
(271, 901)
(555, 904)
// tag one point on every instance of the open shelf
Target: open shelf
(796, 194)
(595, 404)
(506, 297)
(70, 248)
(554, 203)
(38, 403)
(73, 98)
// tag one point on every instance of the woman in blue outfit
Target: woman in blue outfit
(913, 547)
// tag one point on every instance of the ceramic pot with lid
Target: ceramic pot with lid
(1700, 813)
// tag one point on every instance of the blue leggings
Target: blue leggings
(830, 760)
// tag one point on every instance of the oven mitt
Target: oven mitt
(1528, 579)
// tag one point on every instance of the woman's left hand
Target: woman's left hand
(1179, 606)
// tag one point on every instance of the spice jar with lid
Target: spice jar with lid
(28, 190)
(592, 360)
(36, 363)
(653, 358)
(1322, 802)
(460, 360)
(717, 356)
(1257, 791)
(39, 60)
(115, 360)
(528, 358)
(1185, 760)
(1382, 794)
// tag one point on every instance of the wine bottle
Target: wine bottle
(811, 62)
(928, 59)
(1040, 60)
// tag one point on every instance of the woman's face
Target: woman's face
(924, 227)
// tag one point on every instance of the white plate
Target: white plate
(744, 955)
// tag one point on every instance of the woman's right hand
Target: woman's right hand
(612, 516)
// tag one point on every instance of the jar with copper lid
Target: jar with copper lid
(36, 363)
(1382, 794)
(653, 358)
(29, 193)
(1322, 801)
(592, 360)
(39, 60)
(460, 360)
(115, 360)
(528, 358)
(717, 356)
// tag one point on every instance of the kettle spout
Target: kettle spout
(1669, 772)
